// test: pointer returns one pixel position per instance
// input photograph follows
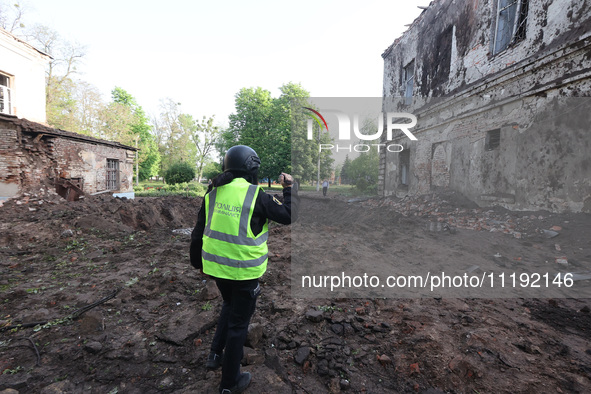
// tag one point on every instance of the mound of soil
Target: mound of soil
(150, 316)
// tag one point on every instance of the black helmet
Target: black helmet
(241, 158)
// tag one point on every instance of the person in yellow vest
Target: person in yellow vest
(229, 243)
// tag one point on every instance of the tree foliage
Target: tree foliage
(179, 172)
(139, 129)
(363, 171)
(267, 125)
(205, 136)
(173, 130)
(11, 17)
(212, 169)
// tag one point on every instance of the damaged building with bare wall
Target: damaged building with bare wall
(36, 159)
(498, 88)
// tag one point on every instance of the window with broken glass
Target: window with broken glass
(408, 76)
(112, 174)
(5, 95)
(510, 26)
(404, 165)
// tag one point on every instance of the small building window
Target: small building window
(5, 95)
(511, 18)
(404, 165)
(112, 174)
(493, 139)
(408, 77)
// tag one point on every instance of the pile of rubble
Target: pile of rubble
(437, 209)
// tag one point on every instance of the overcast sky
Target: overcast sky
(201, 53)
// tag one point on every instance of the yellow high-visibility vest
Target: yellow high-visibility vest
(230, 249)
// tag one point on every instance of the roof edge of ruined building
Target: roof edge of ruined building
(22, 42)
(28, 126)
(417, 20)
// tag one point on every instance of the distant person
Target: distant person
(229, 243)
(324, 187)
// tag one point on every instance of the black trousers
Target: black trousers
(324, 190)
(239, 302)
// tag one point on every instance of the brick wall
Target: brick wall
(33, 160)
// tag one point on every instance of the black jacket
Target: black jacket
(267, 206)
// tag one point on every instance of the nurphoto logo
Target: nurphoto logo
(394, 121)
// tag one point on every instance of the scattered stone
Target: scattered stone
(462, 368)
(166, 382)
(209, 292)
(62, 387)
(337, 329)
(561, 260)
(557, 247)
(322, 367)
(251, 357)
(549, 233)
(302, 355)
(414, 368)
(93, 347)
(9, 391)
(344, 384)
(210, 375)
(384, 360)
(67, 233)
(315, 316)
(555, 228)
(255, 333)
(517, 234)
(585, 309)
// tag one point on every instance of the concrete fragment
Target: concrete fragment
(255, 333)
(314, 315)
(302, 355)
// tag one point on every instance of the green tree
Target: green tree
(205, 137)
(173, 130)
(254, 125)
(363, 171)
(212, 169)
(66, 58)
(346, 171)
(179, 172)
(139, 130)
(266, 124)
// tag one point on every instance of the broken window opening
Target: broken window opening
(511, 23)
(112, 174)
(408, 77)
(493, 139)
(404, 164)
(5, 95)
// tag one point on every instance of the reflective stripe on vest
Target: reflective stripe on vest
(230, 249)
(242, 237)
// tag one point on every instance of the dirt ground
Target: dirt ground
(154, 323)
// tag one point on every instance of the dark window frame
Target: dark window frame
(493, 139)
(5, 94)
(112, 175)
(510, 24)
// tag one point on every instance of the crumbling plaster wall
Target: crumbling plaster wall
(9, 162)
(89, 161)
(32, 160)
(537, 166)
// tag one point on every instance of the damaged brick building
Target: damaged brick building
(34, 157)
(38, 159)
(498, 88)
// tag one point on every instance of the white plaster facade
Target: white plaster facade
(22, 76)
